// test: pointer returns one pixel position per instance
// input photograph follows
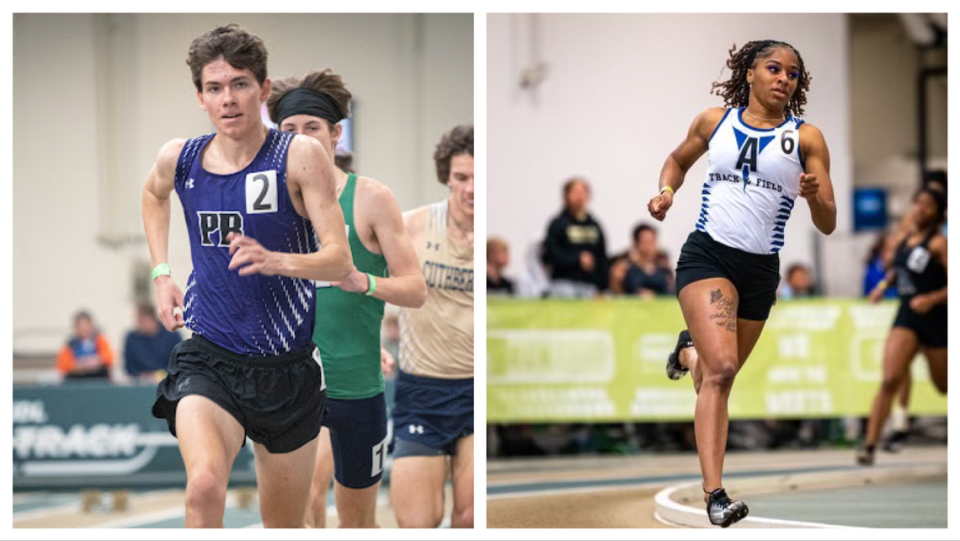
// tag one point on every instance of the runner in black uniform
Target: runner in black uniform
(920, 267)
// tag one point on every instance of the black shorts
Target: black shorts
(756, 277)
(430, 415)
(931, 328)
(358, 436)
(279, 400)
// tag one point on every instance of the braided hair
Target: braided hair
(735, 91)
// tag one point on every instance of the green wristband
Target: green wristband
(161, 270)
(373, 285)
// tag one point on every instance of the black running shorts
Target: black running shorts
(278, 400)
(931, 328)
(358, 437)
(756, 277)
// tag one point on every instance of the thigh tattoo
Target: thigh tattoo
(725, 314)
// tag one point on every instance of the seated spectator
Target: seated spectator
(498, 257)
(147, 347)
(87, 354)
(618, 273)
(645, 277)
(798, 284)
(575, 248)
(534, 280)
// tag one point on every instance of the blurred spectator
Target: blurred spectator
(534, 281)
(618, 273)
(148, 346)
(575, 247)
(876, 265)
(798, 284)
(644, 277)
(87, 354)
(498, 257)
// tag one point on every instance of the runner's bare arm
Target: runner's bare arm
(310, 170)
(405, 286)
(682, 158)
(815, 183)
(309, 179)
(938, 245)
(156, 224)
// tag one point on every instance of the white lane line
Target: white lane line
(658, 516)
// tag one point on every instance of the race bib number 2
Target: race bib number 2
(261, 188)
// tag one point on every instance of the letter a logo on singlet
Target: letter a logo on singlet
(750, 149)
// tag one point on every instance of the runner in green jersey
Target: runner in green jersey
(347, 328)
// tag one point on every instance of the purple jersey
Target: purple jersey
(250, 315)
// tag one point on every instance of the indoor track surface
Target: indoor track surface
(618, 492)
(161, 509)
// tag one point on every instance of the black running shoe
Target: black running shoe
(895, 442)
(675, 370)
(866, 455)
(723, 511)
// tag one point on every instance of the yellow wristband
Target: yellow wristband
(667, 188)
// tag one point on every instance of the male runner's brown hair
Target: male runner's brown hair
(234, 45)
(455, 142)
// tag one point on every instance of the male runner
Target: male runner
(349, 312)
(433, 410)
(256, 201)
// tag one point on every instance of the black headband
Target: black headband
(307, 101)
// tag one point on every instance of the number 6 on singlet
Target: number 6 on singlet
(261, 192)
(787, 143)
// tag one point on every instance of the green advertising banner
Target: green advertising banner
(603, 360)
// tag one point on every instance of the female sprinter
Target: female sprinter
(920, 267)
(762, 157)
